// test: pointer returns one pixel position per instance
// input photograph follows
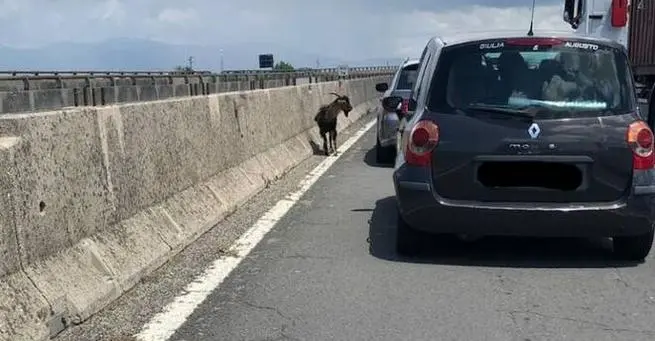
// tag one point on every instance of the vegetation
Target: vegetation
(283, 66)
(183, 69)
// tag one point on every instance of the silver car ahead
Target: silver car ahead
(388, 121)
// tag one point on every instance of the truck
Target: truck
(632, 24)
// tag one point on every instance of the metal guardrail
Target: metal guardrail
(323, 70)
(30, 80)
(23, 91)
(27, 73)
(9, 74)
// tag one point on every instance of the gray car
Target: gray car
(529, 136)
(388, 120)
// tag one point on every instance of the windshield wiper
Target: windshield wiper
(499, 109)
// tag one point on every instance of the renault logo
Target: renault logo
(534, 130)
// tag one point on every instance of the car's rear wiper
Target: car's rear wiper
(497, 109)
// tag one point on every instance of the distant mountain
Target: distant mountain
(141, 54)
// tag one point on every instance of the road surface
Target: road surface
(328, 271)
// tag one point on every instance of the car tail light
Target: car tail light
(619, 13)
(422, 140)
(405, 108)
(534, 41)
(640, 139)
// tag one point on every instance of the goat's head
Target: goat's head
(343, 102)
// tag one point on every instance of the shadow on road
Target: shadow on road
(491, 251)
(316, 149)
(369, 159)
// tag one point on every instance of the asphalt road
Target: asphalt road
(328, 271)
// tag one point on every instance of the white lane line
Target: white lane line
(163, 325)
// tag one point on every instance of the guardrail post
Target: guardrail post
(171, 83)
(188, 85)
(63, 95)
(153, 82)
(137, 90)
(26, 84)
(76, 97)
(86, 91)
(103, 96)
(214, 85)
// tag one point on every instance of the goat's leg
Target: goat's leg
(331, 142)
(325, 143)
(329, 135)
(333, 138)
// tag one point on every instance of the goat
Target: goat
(326, 118)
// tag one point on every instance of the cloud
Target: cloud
(421, 25)
(177, 16)
(342, 28)
(111, 10)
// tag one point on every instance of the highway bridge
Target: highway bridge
(210, 214)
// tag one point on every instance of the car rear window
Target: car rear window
(568, 78)
(407, 77)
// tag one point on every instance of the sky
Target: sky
(350, 29)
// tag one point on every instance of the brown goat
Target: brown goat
(326, 118)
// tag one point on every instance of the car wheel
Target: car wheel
(408, 240)
(391, 154)
(379, 152)
(633, 248)
(383, 155)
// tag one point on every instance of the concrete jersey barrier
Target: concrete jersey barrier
(94, 198)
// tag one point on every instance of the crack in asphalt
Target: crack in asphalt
(284, 329)
(268, 308)
(605, 327)
(306, 257)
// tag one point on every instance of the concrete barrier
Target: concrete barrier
(95, 198)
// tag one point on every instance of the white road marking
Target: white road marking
(163, 325)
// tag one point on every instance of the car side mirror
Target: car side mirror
(391, 103)
(381, 87)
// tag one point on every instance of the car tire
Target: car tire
(383, 155)
(633, 248)
(408, 240)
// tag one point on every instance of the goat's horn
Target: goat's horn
(336, 94)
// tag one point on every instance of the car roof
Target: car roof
(467, 37)
(409, 62)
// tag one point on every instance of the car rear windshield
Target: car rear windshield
(407, 77)
(555, 78)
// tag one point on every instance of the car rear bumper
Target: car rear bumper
(425, 211)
